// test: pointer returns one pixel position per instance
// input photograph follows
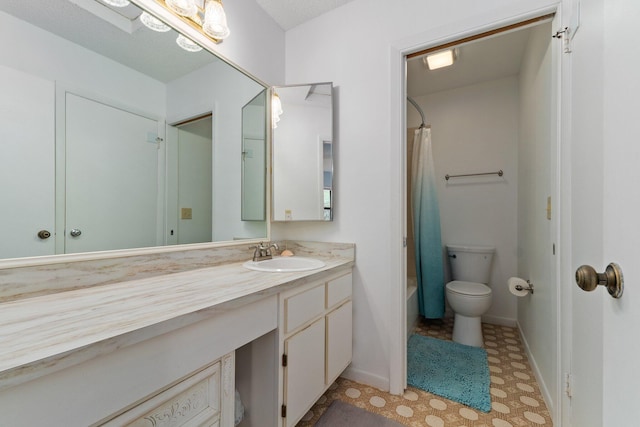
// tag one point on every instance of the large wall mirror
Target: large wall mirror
(303, 150)
(112, 136)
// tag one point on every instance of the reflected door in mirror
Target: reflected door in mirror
(27, 166)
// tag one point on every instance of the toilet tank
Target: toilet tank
(470, 263)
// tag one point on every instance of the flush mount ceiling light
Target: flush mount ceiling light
(117, 3)
(440, 59)
(153, 23)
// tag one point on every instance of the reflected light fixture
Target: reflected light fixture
(117, 3)
(187, 44)
(276, 109)
(440, 59)
(153, 23)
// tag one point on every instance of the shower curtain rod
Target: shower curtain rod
(415, 104)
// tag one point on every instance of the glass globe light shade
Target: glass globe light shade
(183, 7)
(187, 44)
(117, 3)
(153, 23)
(215, 20)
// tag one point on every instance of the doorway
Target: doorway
(190, 186)
(494, 110)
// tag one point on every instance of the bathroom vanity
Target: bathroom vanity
(172, 349)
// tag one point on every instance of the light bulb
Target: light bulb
(117, 3)
(183, 7)
(187, 44)
(215, 20)
(153, 23)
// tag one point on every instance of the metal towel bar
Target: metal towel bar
(499, 173)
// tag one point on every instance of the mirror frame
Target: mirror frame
(191, 31)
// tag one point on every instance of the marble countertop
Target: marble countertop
(38, 331)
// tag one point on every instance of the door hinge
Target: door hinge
(284, 360)
(564, 35)
(404, 242)
(568, 384)
(283, 411)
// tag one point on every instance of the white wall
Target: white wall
(475, 129)
(256, 42)
(348, 47)
(537, 313)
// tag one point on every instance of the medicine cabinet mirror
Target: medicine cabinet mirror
(302, 145)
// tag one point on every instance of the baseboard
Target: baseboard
(363, 377)
(500, 321)
(544, 390)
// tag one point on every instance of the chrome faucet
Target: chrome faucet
(263, 251)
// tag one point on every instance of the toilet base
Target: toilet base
(467, 330)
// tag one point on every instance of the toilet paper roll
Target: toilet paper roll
(516, 281)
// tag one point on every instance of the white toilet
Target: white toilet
(468, 293)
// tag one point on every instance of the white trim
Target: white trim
(544, 390)
(363, 377)
(507, 15)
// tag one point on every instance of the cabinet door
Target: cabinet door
(339, 341)
(304, 375)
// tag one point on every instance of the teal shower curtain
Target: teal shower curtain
(426, 228)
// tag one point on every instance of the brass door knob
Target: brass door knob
(588, 279)
(44, 234)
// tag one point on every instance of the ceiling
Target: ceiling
(290, 13)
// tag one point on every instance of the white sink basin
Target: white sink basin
(285, 264)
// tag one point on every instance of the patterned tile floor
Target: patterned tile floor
(515, 395)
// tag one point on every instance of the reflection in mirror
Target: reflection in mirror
(303, 154)
(112, 136)
(254, 158)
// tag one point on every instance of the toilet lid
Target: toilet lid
(469, 288)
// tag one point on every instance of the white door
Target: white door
(606, 202)
(27, 183)
(112, 190)
(621, 202)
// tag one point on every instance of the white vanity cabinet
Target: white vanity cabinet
(315, 341)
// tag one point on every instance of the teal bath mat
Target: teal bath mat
(448, 369)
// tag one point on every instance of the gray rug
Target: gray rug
(340, 414)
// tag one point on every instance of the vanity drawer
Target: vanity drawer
(196, 401)
(339, 290)
(303, 307)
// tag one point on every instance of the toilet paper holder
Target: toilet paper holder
(528, 288)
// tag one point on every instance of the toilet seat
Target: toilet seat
(471, 289)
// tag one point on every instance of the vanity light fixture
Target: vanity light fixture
(440, 59)
(276, 109)
(208, 15)
(117, 3)
(153, 23)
